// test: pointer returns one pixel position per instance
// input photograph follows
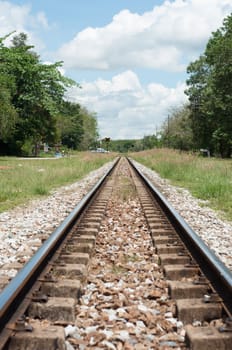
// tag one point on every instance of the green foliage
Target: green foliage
(208, 179)
(32, 102)
(176, 130)
(209, 91)
(124, 146)
(8, 113)
(90, 134)
(70, 125)
(106, 143)
(23, 179)
(27, 146)
(149, 142)
(40, 190)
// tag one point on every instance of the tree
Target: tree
(199, 93)
(33, 106)
(20, 40)
(106, 142)
(70, 125)
(39, 90)
(149, 142)
(209, 91)
(219, 57)
(8, 114)
(176, 130)
(90, 134)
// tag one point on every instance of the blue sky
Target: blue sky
(130, 56)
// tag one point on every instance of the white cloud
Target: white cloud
(18, 18)
(158, 39)
(124, 108)
(42, 20)
(12, 17)
(165, 38)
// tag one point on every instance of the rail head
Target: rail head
(213, 268)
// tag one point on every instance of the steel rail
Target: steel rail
(216, 272)
(20, 285)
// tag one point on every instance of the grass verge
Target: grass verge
(24, 179)
(209, 179)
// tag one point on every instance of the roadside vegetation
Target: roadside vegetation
(36, 117)
(209, 179)
(34, 109)
(25, 179)
(206, 121)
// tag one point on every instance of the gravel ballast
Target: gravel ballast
(24, 228)
(216, 233)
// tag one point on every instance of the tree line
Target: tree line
(206, 121)
(33, 107)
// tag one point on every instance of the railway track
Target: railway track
(123, 271)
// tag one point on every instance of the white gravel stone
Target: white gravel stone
(215, 232)
(23, 229)
(70, 330)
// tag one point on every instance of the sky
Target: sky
(129, 56)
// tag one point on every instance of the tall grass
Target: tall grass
(23, 179)
(208, 179)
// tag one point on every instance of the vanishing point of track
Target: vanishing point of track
(45, 296)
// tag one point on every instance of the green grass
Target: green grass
(208, 179)
(24, 179)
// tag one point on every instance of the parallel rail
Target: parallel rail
(216, 272)
(219, 276)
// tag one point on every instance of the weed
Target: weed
(118, 270)
(131, 258)
(40, 190)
